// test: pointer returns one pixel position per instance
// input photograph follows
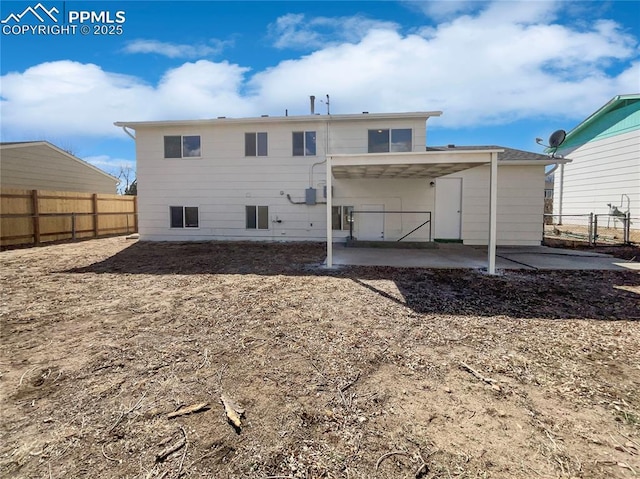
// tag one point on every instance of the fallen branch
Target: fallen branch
(171, 449)
(232, 410)
(188, 410)
(481, 377)
(389, 454)
(186, 446)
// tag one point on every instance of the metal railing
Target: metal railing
(423, 224)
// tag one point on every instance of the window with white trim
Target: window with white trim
(184, 216)
(182, 146)
(257, 217)
(304, 143)
(340, 216)
(255, 144)
(390, 140)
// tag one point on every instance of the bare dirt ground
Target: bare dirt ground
(354, 373)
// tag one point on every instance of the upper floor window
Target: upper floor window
(304, 143)
(390, 140)
(182, 146)
(255, 144)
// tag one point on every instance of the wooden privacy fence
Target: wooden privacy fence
(38, 216)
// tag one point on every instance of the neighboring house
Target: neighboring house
(604, 174)
(39, 165)
(288, 178)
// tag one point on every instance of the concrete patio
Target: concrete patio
(448, 255)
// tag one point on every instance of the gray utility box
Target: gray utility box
(310, 196)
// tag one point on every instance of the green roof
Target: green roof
(620, 115)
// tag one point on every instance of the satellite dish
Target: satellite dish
(556, 138)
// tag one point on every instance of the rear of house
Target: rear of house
(604, 175)
(266, 178)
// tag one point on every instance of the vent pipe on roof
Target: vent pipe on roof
(312, 99)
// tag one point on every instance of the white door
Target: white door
(371, 227)
(448, 218)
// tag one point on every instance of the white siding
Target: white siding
(520, 205)
(223, 181)
(601, 172)
(41, 167)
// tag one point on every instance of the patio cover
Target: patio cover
(427, 164)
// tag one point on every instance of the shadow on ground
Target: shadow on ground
(601, 295)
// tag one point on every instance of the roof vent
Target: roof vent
(264, 116)
(221, 117)
(365, 112)
(451, 145)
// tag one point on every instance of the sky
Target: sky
(502, 72)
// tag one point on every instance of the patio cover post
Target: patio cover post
(493, 201)
(329, 208)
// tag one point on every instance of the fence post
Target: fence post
(36, 216)
(590, 231)
(595, 229)
(94, 202)
(73, 226)
(627, 228)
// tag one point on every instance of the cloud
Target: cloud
(444, 9)
(477, 69)
(175, 50)
(71, 98)
(296, 30)
(507, 62)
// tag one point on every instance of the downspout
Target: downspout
(129, 134)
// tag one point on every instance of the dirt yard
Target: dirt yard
(354, 373)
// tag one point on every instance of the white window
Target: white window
(178, 146)
(255, 144)
(304, 143)
(257, 217)
(184, 216)
(386, 140)
(340, 217)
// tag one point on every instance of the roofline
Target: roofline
(280, 119)
(61, 151)
(600, 111)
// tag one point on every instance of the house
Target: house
(39, 165)
(327, 177)
(604, 175)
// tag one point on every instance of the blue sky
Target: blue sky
(503, 72)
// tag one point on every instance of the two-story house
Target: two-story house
(326, 177)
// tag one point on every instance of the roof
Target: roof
(23, 144)
(436, 161)
(507, 154)
(619, 115)
(282, 119)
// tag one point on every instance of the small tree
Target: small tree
(127, 180)
(132, 189)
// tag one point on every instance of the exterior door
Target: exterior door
(371, 226)
(448, 220)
